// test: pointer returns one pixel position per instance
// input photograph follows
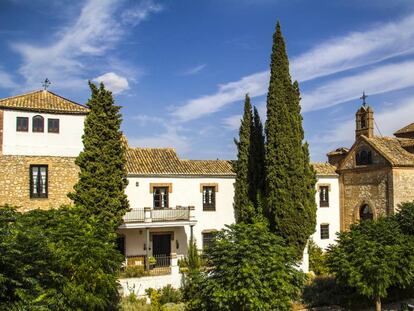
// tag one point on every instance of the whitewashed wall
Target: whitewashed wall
(68, 142)
(327, 215)
(186, 192)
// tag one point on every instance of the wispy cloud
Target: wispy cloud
(193, 70)
(6, 80)
(140, 12)
(66, 61)
(353, 50)
(382, 79)
(117, 84)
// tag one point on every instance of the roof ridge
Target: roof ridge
(20, 95)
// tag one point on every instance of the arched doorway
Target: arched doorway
(365, 213)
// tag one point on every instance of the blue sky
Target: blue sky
(180, 69)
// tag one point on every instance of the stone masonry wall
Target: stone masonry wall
(15, 184)
(364, 187)
(403, 179)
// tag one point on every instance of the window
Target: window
(22, 124)
(365, 213)
(324, 196)
(363, 121)
(38, 124)
(38, 181)
(53, 125)
(160, 197)
(324, 231)
(364, 157)
(208, 238)
(209, 198)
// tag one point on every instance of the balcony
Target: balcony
(147, 215)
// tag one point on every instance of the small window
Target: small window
(365, 213)
(324, 196)
(38, 124)
(208, 238)
(363, 122)
(22, 124)
(160, 197)
(364, 157)
(53, 125)
(209, 198)
(38, 181)
(324, 231)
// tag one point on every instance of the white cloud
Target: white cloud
(68, 60)
(6, 81)
(113, 82)
(353, 50)
(382, 79)
(255, 85)
(193, 70)
(140, 12)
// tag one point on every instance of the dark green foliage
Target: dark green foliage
(256, 162)
(372, 257)
(167, 294)
(102, 177)
(249, 269)
(57, 260)
(317, 259)
(243, 206)
(290, 179)
(405, 218)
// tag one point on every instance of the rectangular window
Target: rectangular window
(160, 197)
(53, 125)
(208, 238)
(324, 196)
(324, 231)
(38, 181)
(22, 124)
(209, 198)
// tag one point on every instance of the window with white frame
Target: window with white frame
(38, 181)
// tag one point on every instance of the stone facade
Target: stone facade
(15, 181)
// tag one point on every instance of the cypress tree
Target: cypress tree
(256, 161)
(243, 207)
(290, 180)
(102, 176)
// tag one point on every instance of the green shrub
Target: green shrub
(133, 303)
(317, 259)
(133, 272)
(162, 296)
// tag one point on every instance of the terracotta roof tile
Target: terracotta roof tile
(164, 161)
(406, 129)
(392, 149)
(324, 168)
(43, 101)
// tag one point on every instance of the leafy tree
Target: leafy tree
(244, 209)
(317, 259)
(102, 177)
(249, 269)
(371, 257)
(405, 218)
(290, 180)
(256, 162)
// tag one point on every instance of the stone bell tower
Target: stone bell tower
(364, 119)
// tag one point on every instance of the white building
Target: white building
(328, 209)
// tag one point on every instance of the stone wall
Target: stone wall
(15, 184)
(403, 179)
(364, 186)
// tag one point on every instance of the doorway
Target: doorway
(161, 248)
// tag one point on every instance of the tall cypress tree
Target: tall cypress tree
(256, 160)
(290, 180)
(102, 177)
(242, 205)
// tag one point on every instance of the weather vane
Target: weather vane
(46, 84)
(363, 97)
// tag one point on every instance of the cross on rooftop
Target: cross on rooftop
(363, 97)
(46, 84)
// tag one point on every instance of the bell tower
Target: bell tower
(364, 119)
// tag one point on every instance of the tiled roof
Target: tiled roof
(406, 142)
(406, 129)
(43, 101)
(392, 150)
(164, 161)
(338, 151)
(324, 168)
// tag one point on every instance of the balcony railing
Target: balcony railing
(147, 214)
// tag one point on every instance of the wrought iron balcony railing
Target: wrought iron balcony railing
(147, 214)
